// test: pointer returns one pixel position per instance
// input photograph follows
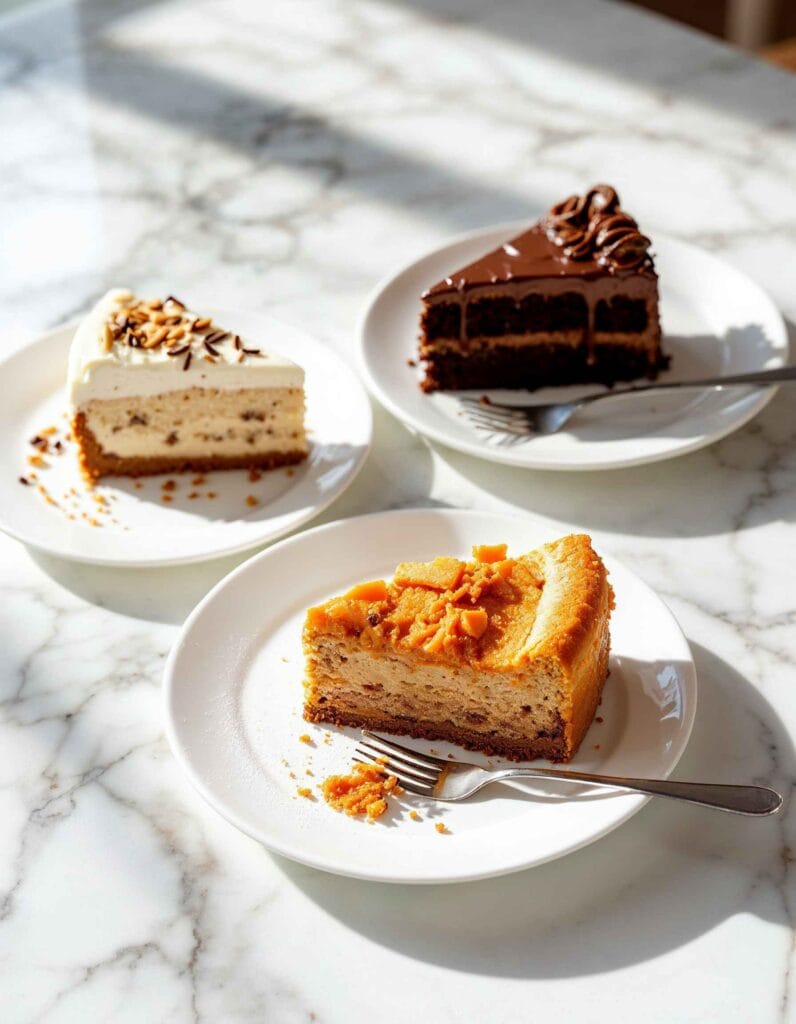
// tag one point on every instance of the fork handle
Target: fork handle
(779, 376)
(757, 800)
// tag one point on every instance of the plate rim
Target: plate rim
(634, 802)
(504, 455)
(300, 518)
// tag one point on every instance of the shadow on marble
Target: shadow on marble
(669, 875)
(630, 46)
(164, 595)
(675, 498)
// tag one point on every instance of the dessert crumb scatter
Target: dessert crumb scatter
(306, 792)
(290, 471)
(305, 737)
(364, 791)
(169, 485)
(599, 719)
(251, 500)
(441, 828)
(138, 485)
(197, 480)
(415, 816)
(212, 494)
(165, 497)
(255, 475)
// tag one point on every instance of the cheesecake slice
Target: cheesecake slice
(154, 387)
(572, 300)
(503, 655)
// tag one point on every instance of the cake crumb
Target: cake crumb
(211, 495)
(198, 480)
(596, 746)
(37, 461)
(290, 471)
(193, 495)
(599, 719)
(254, 475)
(441, 828)
(415, 816)
(305, 738)
(165, 497)
(364, 791)
(138, 485)
(24, 480)
(306, 792)
(169, 485)
(251, 501)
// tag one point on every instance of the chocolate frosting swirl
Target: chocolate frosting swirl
(593, 226)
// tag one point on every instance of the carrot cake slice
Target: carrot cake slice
(503, 655)
(156, 388)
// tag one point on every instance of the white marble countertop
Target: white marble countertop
(283, 156)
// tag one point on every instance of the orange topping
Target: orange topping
(441, 574)
(474, 622)
(364, 791)
(375, 590)
(489, 552)
(316, 617)
(505, 567)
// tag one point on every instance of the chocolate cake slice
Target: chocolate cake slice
(572, 300)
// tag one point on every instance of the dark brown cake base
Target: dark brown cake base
(534, 366)
(547, 747)
(95, 462)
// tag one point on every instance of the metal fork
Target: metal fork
(451, 781)
(525, 420)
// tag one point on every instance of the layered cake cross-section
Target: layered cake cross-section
(572, 300)
(154, 387)
(502, 655)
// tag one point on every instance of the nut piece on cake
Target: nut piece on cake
(156, 388)
(502, 655)
(571, 300)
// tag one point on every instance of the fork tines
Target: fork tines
(417, 773)
(507, 419)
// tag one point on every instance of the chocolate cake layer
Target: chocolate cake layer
(583, 272)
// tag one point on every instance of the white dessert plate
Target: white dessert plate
(715, 320)
(204, 516)
(233, 694)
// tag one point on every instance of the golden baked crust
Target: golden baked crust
(503, 655)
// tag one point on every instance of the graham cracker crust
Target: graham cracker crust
(549, 748)
(95, 462)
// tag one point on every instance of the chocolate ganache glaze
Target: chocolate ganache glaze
(593, 226)
(584, 237)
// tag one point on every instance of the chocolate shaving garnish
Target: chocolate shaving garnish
(187, 362)
(237, 342)
(216, 337)
(177, 351)
(170, 298)
(252, 351)
(39, 442)
(25, 481)
(209, 346)
(58, 446)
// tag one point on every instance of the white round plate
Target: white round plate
(138, 527)
(715, 321)
(233, 691)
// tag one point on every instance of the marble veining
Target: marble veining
(284, 156)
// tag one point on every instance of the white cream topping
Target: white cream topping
(123, 371)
